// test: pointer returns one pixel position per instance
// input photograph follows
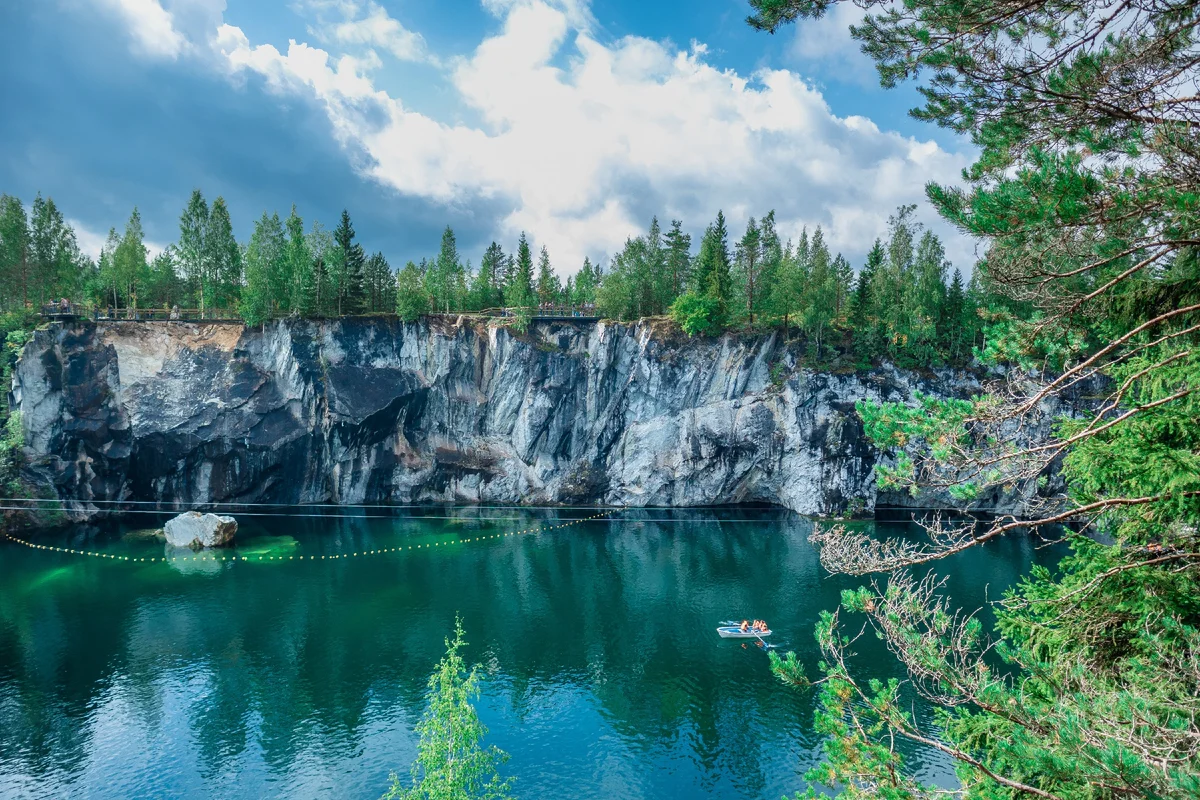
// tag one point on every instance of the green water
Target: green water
(604, 676)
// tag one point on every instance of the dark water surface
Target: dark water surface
(604, 676)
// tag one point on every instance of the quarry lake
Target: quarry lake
(274, 676)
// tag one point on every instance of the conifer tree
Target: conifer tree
(822, 290)
(486, 287)
(347, 268)
(749, 263)
(549, 290)
(863, 312)
(583, 291)
(519, 293)
(678, 259)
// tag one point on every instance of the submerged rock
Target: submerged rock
(376, 410)
(195, 530)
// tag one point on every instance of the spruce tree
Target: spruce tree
(549, 291)
(347, 269)
(519, 293)
(678, 259)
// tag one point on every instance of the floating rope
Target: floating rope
(269, 558)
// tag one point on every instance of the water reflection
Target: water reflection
(605, 675)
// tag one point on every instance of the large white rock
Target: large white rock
(194, 529)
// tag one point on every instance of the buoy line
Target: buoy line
(269, 558)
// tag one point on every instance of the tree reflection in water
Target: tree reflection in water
(603, 674)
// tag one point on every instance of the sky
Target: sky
(570, 120)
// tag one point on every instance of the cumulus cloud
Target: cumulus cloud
(581, 140)
(150, 27)
(367, 26)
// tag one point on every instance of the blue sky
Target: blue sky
(574, 121)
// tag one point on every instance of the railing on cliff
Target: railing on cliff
(67, 312)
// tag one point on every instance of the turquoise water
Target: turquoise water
(603, 674)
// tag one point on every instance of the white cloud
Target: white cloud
(151, 27)
(376, 29)
(91, 242)
(582, 140)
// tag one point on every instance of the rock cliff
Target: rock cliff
(354, 411)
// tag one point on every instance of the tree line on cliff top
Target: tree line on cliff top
(905, 302)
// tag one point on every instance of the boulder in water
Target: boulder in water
(193, 529)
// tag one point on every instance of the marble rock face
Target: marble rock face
(377, 410)
(197, 530)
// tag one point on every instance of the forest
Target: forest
(905, 302)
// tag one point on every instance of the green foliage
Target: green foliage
(549, 289)
(518, 292)
(411, 299)
(1085, 195)
(451, 762)
(698, 314)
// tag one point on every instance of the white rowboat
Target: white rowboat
(736, 632)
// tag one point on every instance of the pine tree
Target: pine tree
(822, 289)
(749, 263)
(549, 291)
(678, 259)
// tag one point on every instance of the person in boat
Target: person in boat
(744, 626)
